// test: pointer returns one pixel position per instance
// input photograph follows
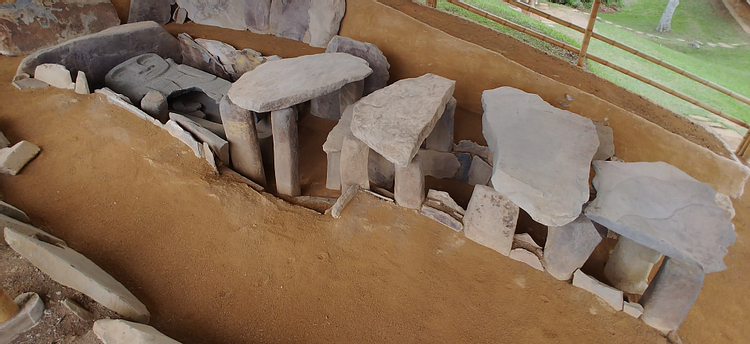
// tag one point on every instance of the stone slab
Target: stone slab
(480, 172)
(229, 14)
(54, 75)
(660, 207)
(159, 11)
(30, 25)
(473, 148)
(568, 247)
(394, 121)
(408, 186)
(370, 53)
(13, 159)
(78, 310)
(527, 257)
(442, 217)
(13, 212)
(441, 137)
(542, 154)
(124, 102)
(219, 146)
(491, 219)
(441, 165)
(612, 296)
(463, 172)
(73, 270)
(606, 142)
(344, 200)
(325, 18)
(632, 309)
(671, 295)
(155, 104)
(177, 132)
(4, 142)
(31, 310)
(24, 82)
(132, 40)
(111, 331)
(27, 229)
(280, 84)
(196, 56)
(180, 15)
(443, 201)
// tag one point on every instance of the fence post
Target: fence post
(432, 3)
(589, 31)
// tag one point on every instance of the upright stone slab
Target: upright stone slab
(54, 75)
(196, 56)
(218, 145)
(408, 188)
(30, 25)
(111, 331)
(569, 246)
(280, 84)
(441, 165)
(395, 120)
(671, 294)
(370, 53)
(660, 207)
(159, 11)
(82, 83)
(332, 147)
(250, 15)
(286, 151)
(325, 19)
(73, 270)
(441, 138)
(542, 155)
(244, 147)
(491, 219)
(606, 142)
(290, 19)
(629, 266)
(354, 163)
(333, 171)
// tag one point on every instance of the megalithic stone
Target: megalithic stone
(491, 219)
(286, 151)
(629, 266)
(672, 293)
(569, 246)
(244, 148)
(332, 105)
(441, 138)
(409, 184)
(354, 163)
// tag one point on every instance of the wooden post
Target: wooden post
(8, 308)
(589, 31)
(431, 3)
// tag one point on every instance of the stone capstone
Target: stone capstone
(542, 154)
(662, 208)
(13, 159)
(370, 53)
(394, 121)
(111, 331)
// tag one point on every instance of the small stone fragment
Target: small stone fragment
(611, 295)
(176, 130)
(82, 84)
(13, 159)
(31, 310)
(155, 104)
(442, 217)
(325, 19)
(13, 212)
(480, 172)
(570, 97)
(674, 338)
(525, 256)
(180, 16)
(24, 81)
(630, 265)
(125, 332)
(491, 219)
(196, 56)
(445, 202)
(54, 75)
(606, 142)
(725, 203)
(344, 200)
(441, 165)
(471, 147)
(78, 310)
(525, 241)
(633, 309)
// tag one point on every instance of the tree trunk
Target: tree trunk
(665, 23)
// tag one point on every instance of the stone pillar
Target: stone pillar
(568, 247)
(441, 138)
(332, 105)
(629, 266)
(354, 163)
(670, 296)
(409, 184)
(333, 172)
(244, 148)
(491, 219)
(350, 94)
(382, 171)
(286, 151)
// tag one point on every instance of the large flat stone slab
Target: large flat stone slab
(280, 84)
(541, 154)
(660, 207)
(394, 121)
(29, 25)
(70, 268)
(111, 331)
(132, 40)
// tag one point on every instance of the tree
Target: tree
(665, 23)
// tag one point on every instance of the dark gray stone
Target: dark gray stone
(370, 53)
(569, 246)
(159, 11)
(671, 294)
(491, 219)
(441, 138)
(463, 172)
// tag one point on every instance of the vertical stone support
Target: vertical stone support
(286, 151)
(244, 148)
(382, 171)
(332, 105)
(441, 138)
(672, 293)
(491, 219)
(629, 266)
(354, 163)
(409, 184)
(333, 171)
(568, 247)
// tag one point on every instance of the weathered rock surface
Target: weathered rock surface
(660, 207)
(629, 266)
(541, 154)
(125, 103)
(441, 137)
(219, 146)
(395, 120)
(29, 230)
(525, 256)
(54, 75)
(24, 81)
(443, 201)
(177, 132)
(196, 56)
(370, 53)
(671, 295)
(29, 25)
(606, 142)
(132, 40)
(463, 172)
(235, 62)
(82, 83)
(611, 295)
(725, 203)
(155, 104)
(442, 217)
(441, 165)
(125, 332)
(280, 84)
(73, 270)
(491, 219)
(13, 159)
(31, 310)
(13, 212)
(471, 147)
(569, 246)
(159, 11)
(344, 200)
(4, 142)
(78, 310)
(180, 16)
(354, 165)
(480, 172)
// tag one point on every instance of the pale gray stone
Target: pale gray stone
(471, 147)
(344, 200)
(216, 128)
(381, 171)
(230, 14)
(354, 163)
(219, 146)
(242, 135)
(29, 230)
(73, 270)
(13, 212)
(660, 207)
(180, 15)
(177, 132)
(548, 178)
(4, 141)
(633, 309)
(671, 294)
(342, 129)
(155, 104)
(118, 331)
(725, 203)
(78, 310)
(395, 120)
(208, 154)
(132, 40)
(31, 310)
(440, 165)
(124, 102)
(441, 138)
(370, 53)
(491, 219)
(606, 142)
(82, 84)
(630, 265)
(325, 19)
(235, 62)
(54, 75)
(24, 82)
(333, 171)
(480, 172)
(612, 296)
(569, 246)
(13, 159)
(443, 201)
(525, 256)
(159, 11)
(286, 151)
(196, 56)
(333, 105)
(284, 83)
(408, 187)
(442, 217)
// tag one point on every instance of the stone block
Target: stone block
(491, 219)
(441, 165)
(671, 294)
(442, 217)
(24, 82)
(630, 265)
(443, 201)
(471, 147)
(54, 75)
(333, 171)
(124, 102)
(325, 19)
(13, 212)
(159, 11)
(29, 230)
(354, 163)
(569, 246)
(13, 159)
(118, 331)
(370, 53)
(525, 256)
(31, 310)
(333, 105)
(441, 137)
(606, 142)
(82, 84)
(408, 186)
(480, 172)
(462, 174)
(612, 296)
(78, 310)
